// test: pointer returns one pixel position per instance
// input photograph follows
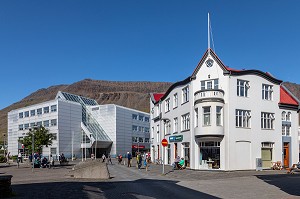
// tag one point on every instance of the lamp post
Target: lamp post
(138, 146)
(34, 129)
(4, 144)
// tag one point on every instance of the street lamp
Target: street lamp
(4, 143)
(138, 146)
(32, 156)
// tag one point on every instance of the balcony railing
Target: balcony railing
(205, 95)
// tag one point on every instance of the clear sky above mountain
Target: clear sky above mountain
(44, 43)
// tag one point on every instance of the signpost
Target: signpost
(164, 143)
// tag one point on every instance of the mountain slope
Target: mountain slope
(129, 94)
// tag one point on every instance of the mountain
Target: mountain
(129, 94)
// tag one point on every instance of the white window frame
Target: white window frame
(167, 105)
(175, 100)
(206, 116)
(167, 127)
(185, 94)
(267, 120)
(242, 88)
(185, 122)
(219, 114)
(196, 117)
(175, 125)
(267, 92)
(242, 118)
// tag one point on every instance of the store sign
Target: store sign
(136, 146)
(177, 138)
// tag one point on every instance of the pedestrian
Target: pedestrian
(7, 157)
(145, 156)
(109, 159)
(129, 156)
(139, 161)
(103, 158)
(51, 161)
(20, 157)
(119, 159)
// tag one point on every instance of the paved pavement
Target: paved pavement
(130, 182)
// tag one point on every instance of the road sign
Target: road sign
(22, 146)
(164, 142)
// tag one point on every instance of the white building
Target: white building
(81, 127)
(221, 118)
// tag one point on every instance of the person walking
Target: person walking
(145, 159)
(109, 159)
(129, 157)
(20, 157)
(139, 160)
(103, 158)
(7, 158)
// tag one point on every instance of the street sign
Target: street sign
(164, 142)
(22, 146)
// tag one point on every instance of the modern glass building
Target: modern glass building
(80, 126)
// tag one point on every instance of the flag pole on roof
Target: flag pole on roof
(208, 34)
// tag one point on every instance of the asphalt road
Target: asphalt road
(133, 183)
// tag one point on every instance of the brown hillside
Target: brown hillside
(129, 94)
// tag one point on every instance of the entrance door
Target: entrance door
(286, 155)
(175, 150)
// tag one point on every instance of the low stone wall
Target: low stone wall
(5, 186)
(91, 169)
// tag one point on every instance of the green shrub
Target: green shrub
(2, 159)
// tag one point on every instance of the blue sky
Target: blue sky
(45, 43)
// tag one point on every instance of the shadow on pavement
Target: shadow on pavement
(286, 182)
(142, 188)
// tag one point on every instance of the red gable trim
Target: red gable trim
(286, 98)
(156, 97)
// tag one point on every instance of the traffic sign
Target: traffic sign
(164, 142)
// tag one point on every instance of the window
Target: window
(21, 115)
(219, 115)
(53, 122)
(53, 108)
(134, 139)
(286, 129)
(26, 126)
(288, 116)
(147, 119)
(46, 123)
(141, 118)
(206, 116)
(167, 125)
(175, 100)
(185, 122)
(39, 111)
(53, 151)
(267, 92)
(167, 105)
(242, 118)
(39, 124)
(196, 117)
(210, 84)
(267, 120)
(54, 136)
(185, 94)
(20, 127)
(157, 128)
(26, 113)
(46, 109)
(141, 139)
(283, 116)
(242, 88)
(32, 113)
(134, 117)
(147, 140)
(175, 125)
(134, 128)
(147, 129)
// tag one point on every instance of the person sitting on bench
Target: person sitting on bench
(181, 163)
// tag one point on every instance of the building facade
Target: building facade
(221, 118)
(80, 127)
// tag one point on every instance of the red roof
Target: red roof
(158, 96)
(286, 98)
